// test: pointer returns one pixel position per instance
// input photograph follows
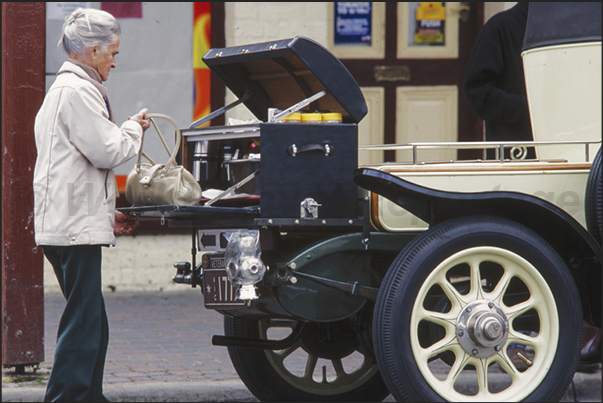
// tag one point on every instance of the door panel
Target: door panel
(426, 114)
(370, 129)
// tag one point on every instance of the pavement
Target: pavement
(160, 351)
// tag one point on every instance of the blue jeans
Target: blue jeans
(83, 335)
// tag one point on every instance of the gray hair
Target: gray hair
(86, 28)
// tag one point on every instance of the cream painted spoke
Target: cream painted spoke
(475, 291)
(505, 362)
(446, 320)
(516, 310)
(456, 299)
(441, 346)
(499, 291)
(481, 368)
(524, 339)
(541, 343)
(457, 368)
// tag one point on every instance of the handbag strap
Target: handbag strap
(173, 154)
(146, 180)
(147, 157)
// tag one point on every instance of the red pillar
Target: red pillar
(23, 88)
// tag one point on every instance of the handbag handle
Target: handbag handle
(172, 159)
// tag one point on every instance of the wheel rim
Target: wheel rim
(505, 300)
(309, 372)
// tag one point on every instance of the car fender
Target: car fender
(569, 238)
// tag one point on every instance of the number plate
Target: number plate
(218, 293)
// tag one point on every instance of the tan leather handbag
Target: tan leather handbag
(162, 184)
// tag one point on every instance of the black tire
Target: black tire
(593, 200)
(270, 378)
(493, 266)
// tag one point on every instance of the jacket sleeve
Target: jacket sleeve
(101, 141)
(486, 77)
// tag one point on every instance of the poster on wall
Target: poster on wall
(427, 23)
(202, 73)
(119, 9)
(59, 11)
(353, 23)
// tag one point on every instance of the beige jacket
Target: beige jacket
(78, 147)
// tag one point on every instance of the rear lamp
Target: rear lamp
(243, 264)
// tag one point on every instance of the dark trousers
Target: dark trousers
(83, 335)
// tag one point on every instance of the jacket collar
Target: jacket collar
(89, 74)
(91, 71)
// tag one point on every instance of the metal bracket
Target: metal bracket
(308, 208)
(232, 188)
(298, 105)
(220, 111)
(355, 289)
(366, 227)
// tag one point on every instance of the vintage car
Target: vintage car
(426, 280)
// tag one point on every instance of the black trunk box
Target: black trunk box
(288, 180)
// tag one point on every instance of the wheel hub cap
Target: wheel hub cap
(482, 329)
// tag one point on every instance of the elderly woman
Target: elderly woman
(78, 146)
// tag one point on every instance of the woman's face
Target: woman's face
(103, 62)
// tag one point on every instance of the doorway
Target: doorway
(411, 74)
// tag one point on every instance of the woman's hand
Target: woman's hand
(124, 224)
(141, 119)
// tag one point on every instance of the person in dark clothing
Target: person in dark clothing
(494, 84)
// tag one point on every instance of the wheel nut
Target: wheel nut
(461, 333)
(490, 305)
(497, 348)
(468, 309)
(474, 352)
